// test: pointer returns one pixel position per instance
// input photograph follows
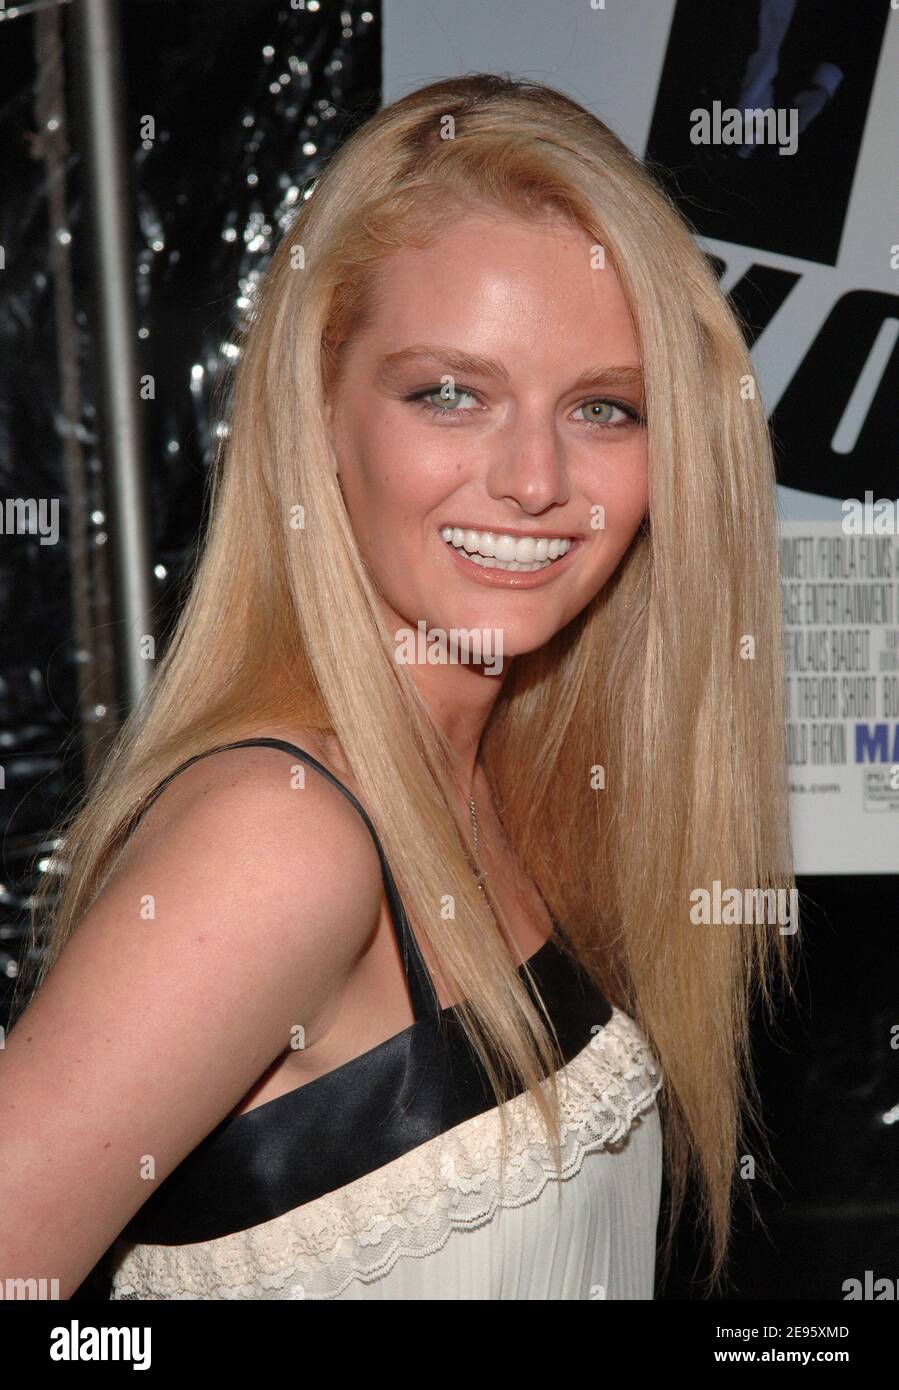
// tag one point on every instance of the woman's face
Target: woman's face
(494, 399)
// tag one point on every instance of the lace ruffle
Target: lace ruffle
(411, 1206)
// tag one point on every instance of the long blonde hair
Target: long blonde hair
(282, 628)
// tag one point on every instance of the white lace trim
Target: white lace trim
(411, 1206)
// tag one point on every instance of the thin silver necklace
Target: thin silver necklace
(479, 872)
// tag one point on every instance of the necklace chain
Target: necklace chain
(481, 875)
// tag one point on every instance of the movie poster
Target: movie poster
(775, 131)
(774, 124)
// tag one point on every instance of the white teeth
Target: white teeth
(494, 550)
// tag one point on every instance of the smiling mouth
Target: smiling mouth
(499, 550)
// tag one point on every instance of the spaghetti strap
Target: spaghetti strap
(422, 994)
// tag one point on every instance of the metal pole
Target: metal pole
(92, 648)
(99, 64)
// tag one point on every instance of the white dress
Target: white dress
(382, 1179)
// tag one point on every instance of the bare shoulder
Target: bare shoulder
(291, 808)
(238, 912)
(282, 833)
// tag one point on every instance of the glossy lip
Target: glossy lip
(512, 579)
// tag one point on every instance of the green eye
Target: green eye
(599, 405)
(446, 399)
(448, 404)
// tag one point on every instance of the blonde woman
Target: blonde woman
(373, 973)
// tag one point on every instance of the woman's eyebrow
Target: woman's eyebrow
(611, 378)
(466, 364)
(460, 363)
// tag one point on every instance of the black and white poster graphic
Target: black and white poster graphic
(768, 130)
(774, 125)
